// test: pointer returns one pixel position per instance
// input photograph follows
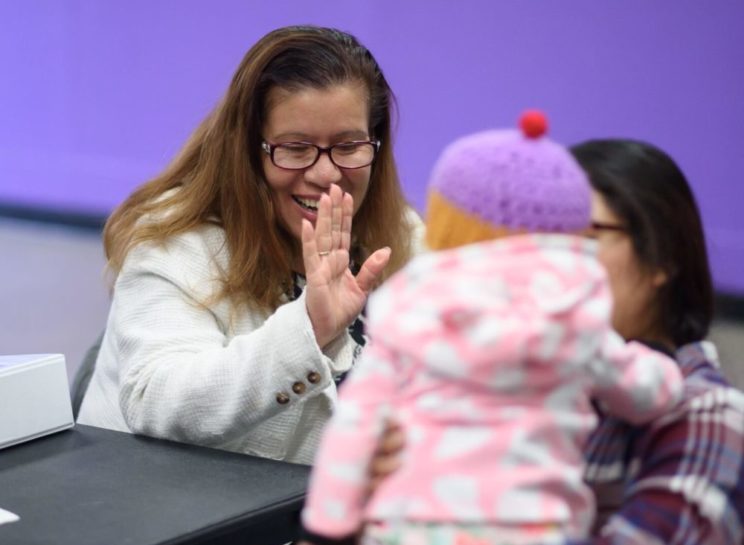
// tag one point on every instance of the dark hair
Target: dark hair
(643, 185)
(220, 173)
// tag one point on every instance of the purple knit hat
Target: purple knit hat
(515, 179)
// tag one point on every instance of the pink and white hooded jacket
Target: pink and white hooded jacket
(488, 355)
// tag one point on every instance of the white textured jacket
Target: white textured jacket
(173, 367)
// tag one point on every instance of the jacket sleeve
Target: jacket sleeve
(634, 382)
(182, 375)
(338, 484)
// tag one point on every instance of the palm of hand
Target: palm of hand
(334, 296)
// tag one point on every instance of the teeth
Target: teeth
(307, 203)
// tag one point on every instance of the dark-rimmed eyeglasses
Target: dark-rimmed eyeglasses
(299, 155)
(601, 226)
(597, 227)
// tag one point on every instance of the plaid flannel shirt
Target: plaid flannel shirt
(680, 479)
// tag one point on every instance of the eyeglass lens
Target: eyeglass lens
(344, 155)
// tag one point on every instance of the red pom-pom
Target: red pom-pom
(533, 123)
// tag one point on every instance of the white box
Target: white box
(34, 397)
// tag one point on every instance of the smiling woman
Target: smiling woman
(297, 125)
(650, 240)
(241, 271)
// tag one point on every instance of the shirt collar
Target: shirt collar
(693, 355)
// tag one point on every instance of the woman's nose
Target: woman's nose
(323, 173)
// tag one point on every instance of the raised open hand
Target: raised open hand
(334, 295)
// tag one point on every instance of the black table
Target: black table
(90, 486)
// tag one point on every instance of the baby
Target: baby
(488, 351)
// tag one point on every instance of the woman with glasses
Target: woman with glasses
(240, 276)
(679, 480)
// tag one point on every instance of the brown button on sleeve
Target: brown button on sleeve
(298, 387)
(313, 377)
(282, 398)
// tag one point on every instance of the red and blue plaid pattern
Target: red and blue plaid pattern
(679, 480)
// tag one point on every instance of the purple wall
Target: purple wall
(98, 96)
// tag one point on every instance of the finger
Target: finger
(393, 440)
(384, 465)
(339, 262)
(373, 484)
(387, 456)
(323, 225)
(309, 248)
(336, 215)
(372, 269)
(347, 209)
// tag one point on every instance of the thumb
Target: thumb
(372, 268)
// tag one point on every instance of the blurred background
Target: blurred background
(97, 97)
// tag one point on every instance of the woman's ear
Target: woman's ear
(659, 278)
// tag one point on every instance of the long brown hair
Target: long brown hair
(219, 173)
